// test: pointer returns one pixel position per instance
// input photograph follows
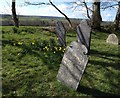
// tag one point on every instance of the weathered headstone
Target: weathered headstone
(61, 33)
(83, 33)
(73, 65)
(112, 39)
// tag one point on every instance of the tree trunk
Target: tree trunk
(96, 16)
(117, 18)
(16, 22)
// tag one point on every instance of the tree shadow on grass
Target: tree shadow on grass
(92, 52)
(4, 42)
(110, 75)
(105, 64)
(105, 55)
(93, 92)
(49, 58)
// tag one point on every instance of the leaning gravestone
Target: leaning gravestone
(112, 39)
(75, 58)
(73, 65)
(83, 33)
(61, 33)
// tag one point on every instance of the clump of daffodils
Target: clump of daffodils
(54, 49)
(43, 46)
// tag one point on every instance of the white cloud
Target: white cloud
(62, 7)
(48, 11)
(108, 15)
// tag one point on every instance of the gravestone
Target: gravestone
(73, 65)
(112, 39)
(83, 33)
(61, 33)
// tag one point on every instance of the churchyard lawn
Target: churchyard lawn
(31, 58)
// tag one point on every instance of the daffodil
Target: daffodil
(33, 43)
(60, 48)
(46, 47)
(20, 43)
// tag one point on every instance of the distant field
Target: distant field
(31, 58)
(35, 20)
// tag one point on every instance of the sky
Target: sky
(47, 10)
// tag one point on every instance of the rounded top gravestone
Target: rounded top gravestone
(112, 39)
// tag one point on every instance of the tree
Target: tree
(16, 22)
(117, 18)
(96, 16)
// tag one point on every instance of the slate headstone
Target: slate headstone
(73, 65)
(83, 33)
(112, 39)
(61, 33)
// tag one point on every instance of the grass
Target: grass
(31, 58)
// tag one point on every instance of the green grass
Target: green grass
(30, 62)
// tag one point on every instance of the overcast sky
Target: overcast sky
(48, 10)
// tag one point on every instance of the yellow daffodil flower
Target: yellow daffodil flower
(60, 48)
(33, 43)
(45, 47)
(19, 43)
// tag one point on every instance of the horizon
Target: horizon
(51, 17)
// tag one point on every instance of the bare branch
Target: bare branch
(70, 24)
(77, 5)
(83, 4)
(109, 6)
(42, 3)
(87, 9)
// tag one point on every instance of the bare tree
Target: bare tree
(96, 16)
(95, 10)
(16, 21)
(117, 18)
